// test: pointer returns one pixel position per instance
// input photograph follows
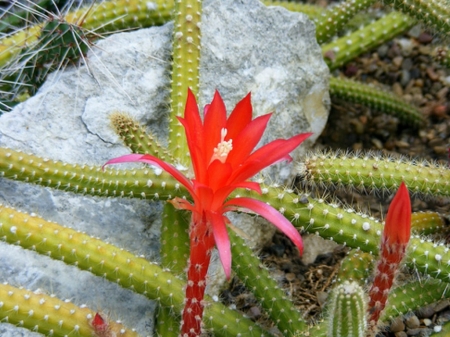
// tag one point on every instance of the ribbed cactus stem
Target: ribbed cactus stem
(117, 265)
(313, 11)
(84, 179)
(356, 267)
(433, 13)
(136, 137)
(335, 18)
(347, 311)
(346, 48)
(104, 16)
(412, 296)
(52, 316)
(374, 171)
(258, 280)
(426, 223)
(375, 98)
(185, 71)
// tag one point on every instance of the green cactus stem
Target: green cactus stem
(347, 311)
(136, 137)
(257, 279)
(426, 223)
(51, 316)
(433, 13)
(117, 265)
(101, 17)
(185, 71)
(376, 172)
(375, 98)
(412, 296)
(347, 48)
(313, 11)
(334, 19)
(88, 179)
(356, 267)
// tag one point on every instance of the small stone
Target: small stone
(407, 64)
(254, 312)
(397, 325)
(397, 89)
(427, 322)
(427, 311)
(290, 277)
(425, 38)
(401, 334)
(412, 322)
(397, 61)
(442, 305)
(378, 144)
(404, 77)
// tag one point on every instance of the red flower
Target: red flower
(223, 160)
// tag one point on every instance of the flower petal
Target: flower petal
(130, 158)
(214, 121)
(246, 140)
(398, 219)
(266, 156)
(270, 214)
(222, 240)
(193, 127)
(240, 117)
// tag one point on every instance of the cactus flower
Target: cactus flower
(396, 234)
(223, 160)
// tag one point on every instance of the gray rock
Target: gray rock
(246, 47)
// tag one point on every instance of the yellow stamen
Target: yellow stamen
(223, 148)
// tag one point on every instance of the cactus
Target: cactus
(347, 311)
(352, 91)
(356, 230)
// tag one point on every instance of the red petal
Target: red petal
(240, 117)
(194, 135)
(222, 241)
(215, 121)
(130, 158)
(270, 214)
(266, 156)
(398, 220)
(245, 141)
(218, 174)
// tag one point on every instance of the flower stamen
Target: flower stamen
(223, 148)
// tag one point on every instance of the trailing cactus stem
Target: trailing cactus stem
(433, 13)
(347, 48)
(139, 183)
(313, 11)
(426, 223)
(377, 172)
(257, 279)
(335, 18)
(347, 311)
(114, 264)
(375, 98)
(50, 315)
(136, 137)
(105, 16)
(185, 71)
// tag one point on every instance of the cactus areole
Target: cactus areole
(223, 160)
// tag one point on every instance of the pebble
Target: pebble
(290, 277)
(442, 304)
(404, 77)
(397, 325)
(427, 311)
(427, 322)
(412, 322)
(401, 334)
(407, 64)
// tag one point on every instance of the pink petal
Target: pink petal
(270, 214)
(222, 194)
(266, 156)
(240, 117)
(222, 240)
(130, 158)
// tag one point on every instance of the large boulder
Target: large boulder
(245, 47)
